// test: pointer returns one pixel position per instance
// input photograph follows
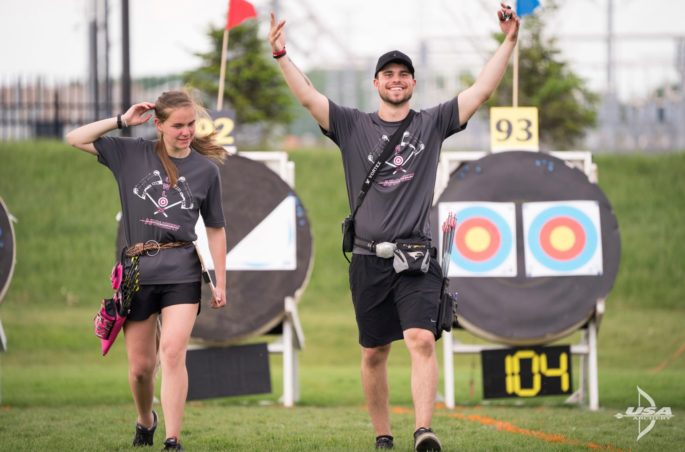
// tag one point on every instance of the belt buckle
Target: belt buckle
(156, 247)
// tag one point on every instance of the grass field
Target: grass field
(57, 393)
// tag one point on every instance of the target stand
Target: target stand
(586, 349)
(495, 292)
(291, 339)
(261, 206)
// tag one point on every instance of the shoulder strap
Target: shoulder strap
(387, 150)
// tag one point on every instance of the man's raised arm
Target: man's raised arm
(493, 71)
(299, 84)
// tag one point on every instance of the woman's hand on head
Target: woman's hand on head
(138, 113)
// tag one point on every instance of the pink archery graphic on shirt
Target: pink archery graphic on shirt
(154, 189)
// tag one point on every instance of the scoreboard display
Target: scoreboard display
(526, 372)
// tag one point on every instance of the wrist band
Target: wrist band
(279, 54)
(121, 122)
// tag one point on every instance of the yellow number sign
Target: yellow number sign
(222, 123)
(514, 129)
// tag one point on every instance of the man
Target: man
(388, 305)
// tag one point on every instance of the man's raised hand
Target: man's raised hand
(277, 34)
(508, 21)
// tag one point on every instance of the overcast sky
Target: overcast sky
(49, 37)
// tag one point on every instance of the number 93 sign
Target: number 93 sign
(514, 129)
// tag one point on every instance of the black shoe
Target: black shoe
(145, 436)
(172, 444)
(425, 440)
(384, 442)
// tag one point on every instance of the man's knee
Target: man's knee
(376, 356)
(420, 341)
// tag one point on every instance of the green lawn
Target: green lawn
(57, 392)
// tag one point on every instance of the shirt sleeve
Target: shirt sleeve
(341, 122)
(112, 150)
(212, 209)
(447, 118)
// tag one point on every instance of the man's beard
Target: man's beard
(397, 102)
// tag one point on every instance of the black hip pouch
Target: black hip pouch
(411, 256)
(348, 234)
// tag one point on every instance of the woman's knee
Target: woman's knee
(172, 354)
(142, 369)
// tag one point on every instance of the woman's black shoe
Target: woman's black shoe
(172, 444)
(145, 436)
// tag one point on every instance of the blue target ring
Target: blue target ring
(562, 265)
(505, 240)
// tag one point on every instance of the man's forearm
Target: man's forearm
(297, 81)
(489, 78)
(304, 91)
(492, 73)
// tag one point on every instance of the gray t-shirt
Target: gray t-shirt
(151, 210)
(398, 203)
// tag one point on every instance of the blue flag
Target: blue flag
(526, 7)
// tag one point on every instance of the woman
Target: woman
(163, 185)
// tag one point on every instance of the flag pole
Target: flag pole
(515, 77)
(222, 66)
(515, 73)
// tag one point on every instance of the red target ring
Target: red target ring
(466, 249)
(554, 245)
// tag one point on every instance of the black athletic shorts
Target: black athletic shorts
(151, 298)
(387, 303)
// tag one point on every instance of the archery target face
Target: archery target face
(484, 240)
(271, 245)
(562, 238)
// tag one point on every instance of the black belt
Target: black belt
(366, 244)
(370, 245)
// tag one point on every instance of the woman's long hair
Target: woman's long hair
(165, 104)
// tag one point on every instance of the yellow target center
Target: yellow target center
(477, 239)
(562, 238)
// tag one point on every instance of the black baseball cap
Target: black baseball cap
(394, 56)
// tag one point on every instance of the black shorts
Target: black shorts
(151, 298)
(387, 303)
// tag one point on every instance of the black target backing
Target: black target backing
(521, 310)
(7, 249)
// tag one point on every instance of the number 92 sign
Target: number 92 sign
(223, 123)
(514, 129)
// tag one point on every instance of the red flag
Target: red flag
(238, 12)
